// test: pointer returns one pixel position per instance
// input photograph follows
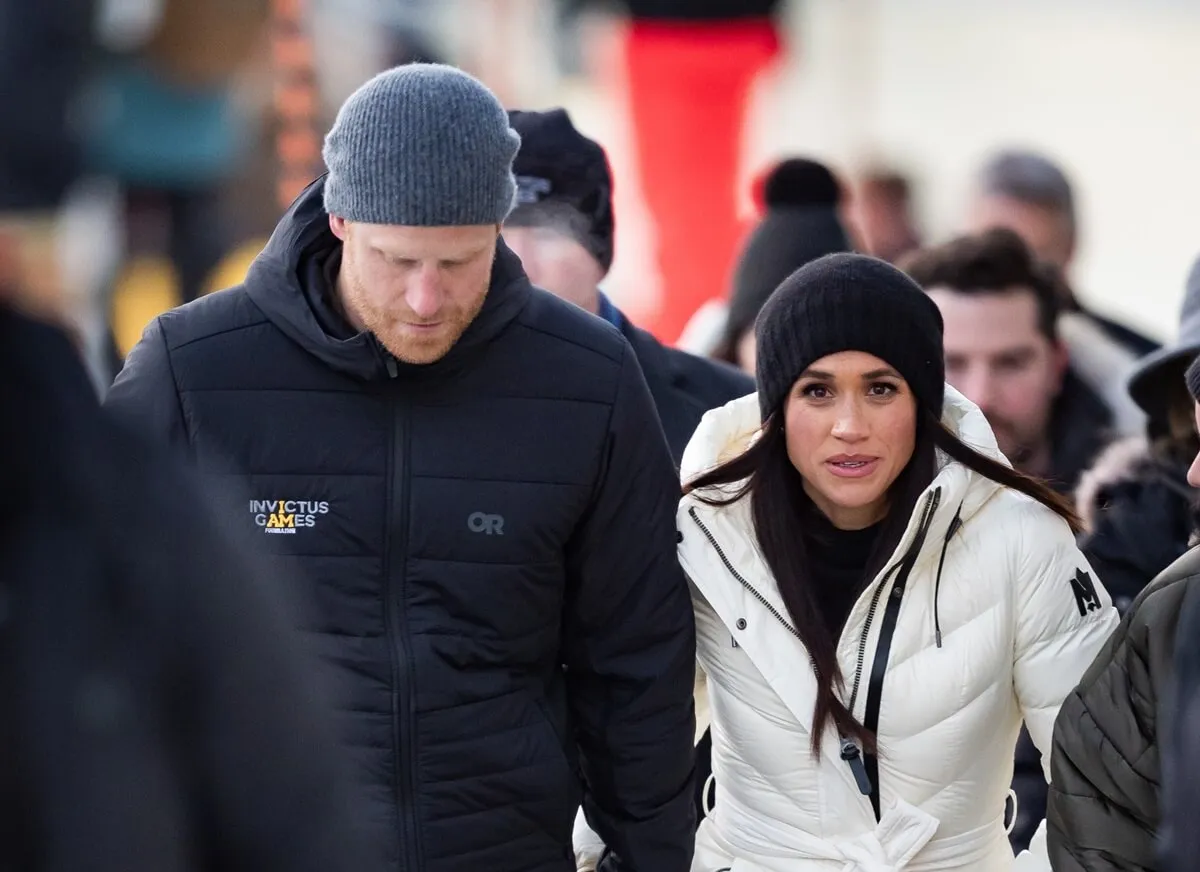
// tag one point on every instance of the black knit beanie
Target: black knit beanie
(849, 302)
(563, 182)
(801, 224)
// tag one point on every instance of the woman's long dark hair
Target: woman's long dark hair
(779, 504)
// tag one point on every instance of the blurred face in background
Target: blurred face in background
(998, 358)
(746, 352)
(1046, 231)
(417, 289)
(556, 262)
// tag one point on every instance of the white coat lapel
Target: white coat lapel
(733, 578)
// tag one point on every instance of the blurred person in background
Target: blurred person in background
(801, 203)
(1003, 353)
(562, 230)
(464, 480)
(881, 212)
(1029, 194)
(1125, 764)
(48, 48)
(169, 129)
(156, 712)
(1138, 509)
(689, 150)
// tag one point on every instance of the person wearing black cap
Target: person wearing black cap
(880, 598)
(562, 230)
(801, 199)
(1126, 760)
(1138, 508)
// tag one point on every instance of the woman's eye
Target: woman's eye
(882, 389)
(816, 392)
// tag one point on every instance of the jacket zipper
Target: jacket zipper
(395, 583)
(849, 751)
(927, 511)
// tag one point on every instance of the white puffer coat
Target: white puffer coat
(1007, 632)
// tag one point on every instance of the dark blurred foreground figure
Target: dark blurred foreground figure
(1113, 805)
(153, 715)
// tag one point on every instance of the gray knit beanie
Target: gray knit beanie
(421, 145)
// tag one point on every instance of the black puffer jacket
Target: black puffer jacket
(459, 532)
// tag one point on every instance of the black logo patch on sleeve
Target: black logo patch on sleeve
(1086, 598)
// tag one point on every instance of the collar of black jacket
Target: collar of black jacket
(1080, 426)
(278, 284)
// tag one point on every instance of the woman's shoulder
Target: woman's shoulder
(1008, 512)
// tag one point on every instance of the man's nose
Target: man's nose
(979, 387)
(424, 293)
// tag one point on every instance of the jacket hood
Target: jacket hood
(725, 432)
(278, 283)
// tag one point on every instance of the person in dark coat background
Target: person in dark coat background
(1125, 762)
(155, 710)
(1136, 503)
(800, 201)
(562, 229)
(464, 481)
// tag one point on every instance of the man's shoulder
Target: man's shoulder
(217, 314)
(563, 330)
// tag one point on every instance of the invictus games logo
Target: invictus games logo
(287, 516)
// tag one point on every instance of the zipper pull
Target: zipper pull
(390, 363)
(853, 757)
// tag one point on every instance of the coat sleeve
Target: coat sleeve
(144, 396)
(1064, 616)
(630, 647)
(1102, 811)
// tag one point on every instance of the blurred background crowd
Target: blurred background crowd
(199, 120)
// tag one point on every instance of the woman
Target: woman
(880, 599)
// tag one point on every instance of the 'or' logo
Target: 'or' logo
(482, 522)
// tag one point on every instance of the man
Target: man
(155, 711)
(1003, 352)
(1029, 194)
(562, 229)
(467, 482)
(1125, 764)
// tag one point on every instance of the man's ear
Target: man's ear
(339, 226)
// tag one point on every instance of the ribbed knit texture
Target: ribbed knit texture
(849, 302)
(1193, 379)
(560, 169)
(422, 145)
